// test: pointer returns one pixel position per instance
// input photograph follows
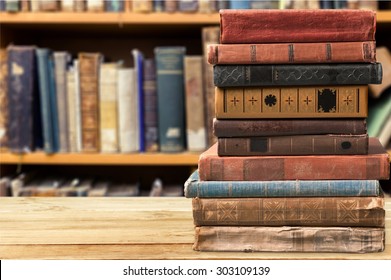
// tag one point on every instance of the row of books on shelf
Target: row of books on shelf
(187, 6)
(52, 102)
(37, 183)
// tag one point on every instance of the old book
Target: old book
(242, 26)
(373, 166)
(188, 6)
(264, 4)
(67, 5)
(292, 102)
(25, 5)
(289, 239)
(287, 53)
(80, 5)
(24, 119)
(108, 110)
(73, 100)
(89, 64)
(115, 6)
(12, 5)
(150, 107)
(127, 111)
(267, 127)
(328, 144)
(383, 56)
(49, 5)
(210, 35)
(61, 61)
(194, 187)
(290, 211)
(171, 98)
(48, 100)
(207, 6)
(3, 99)
(170, 6)
(195, 121)
(138, 62)
(297, 75)
(95, 5)
(142, 6)
(239, 4)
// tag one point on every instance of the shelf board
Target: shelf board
(152, 159)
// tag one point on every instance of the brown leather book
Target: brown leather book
(290, 211)
(289, 239)
(291, 102)
(89, 64)
(287, 53)
(291, 25)
(373, 166)
(273, 127)
(328, 144)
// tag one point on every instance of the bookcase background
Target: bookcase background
(115, 35)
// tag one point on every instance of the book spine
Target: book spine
(142, 6)
(115, 5)
(289, 239)
(89, 64)
(3, 99)
(71, 100)
(329, 144)
(239, 4)
(275, 127)
(195, 122)
(108, 107)
(170, 6)
(67, 5)
(187, 5)
(12, 5)
(138, 59)
(330, 52)
(171, 103)
(288, 188)
(48, 5)
(95, 5)
(297, 75)
(150, 107)
(292, 211)
(76, 66)
(291, 102)
(298, 26)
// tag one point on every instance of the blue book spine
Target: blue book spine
(2, 5)
(138, 59)
(171, 95)
(239, 4)
(196, 188)
(115, 5)
(158, 5)
(53, 104)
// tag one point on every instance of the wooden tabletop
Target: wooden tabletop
(119, 228)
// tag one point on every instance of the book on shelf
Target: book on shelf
(195, 121)
(372, 166)
(383, 55)
(242, 26)
(24, 128)
(67, 5)
(123, 189)
(108, 102)
(95, 5)
(49, 5)
(239, 4)
(170, 93)
(3, 99)
(188, 6)
(142, 6)
(327, 144)
(114, 5)
(12, 5)
(158, 6)
(194, 187)
(291, 102)
(89, 65)
(207, 6)
(297, 74)
(289, 239)
(138, 63)
(295, 53)
(150, 106)
(48, 100)
(170, 6)
(61, 61)
(290, 211)
(265, 4)
(274, 127)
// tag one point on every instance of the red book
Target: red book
(272, 26)
(373, 166)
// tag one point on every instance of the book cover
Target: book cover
(297, 74)
(293, 53)
(171, 98)
(194, 187)
(61, 60)
(24, 119)
(291, 102)
(89, 65)
(383, 56)
(274, 127)
(289, 239)
(48, 100)
(138, 61)
(108, 111)
(290, 211)
(291, 25)
(195, 122)
(3, 99)
(373, 166)
(150, 107)
(328, 144)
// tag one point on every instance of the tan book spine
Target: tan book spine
(89, 99)
(292, 102)
(71, 100)
(3, 99)
(95, 6)
(142, 6)
(289, 239)
(290, 211)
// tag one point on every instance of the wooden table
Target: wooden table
(119, 228)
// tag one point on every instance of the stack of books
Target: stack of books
(293, 168)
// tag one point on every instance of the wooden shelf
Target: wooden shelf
(152, 159)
